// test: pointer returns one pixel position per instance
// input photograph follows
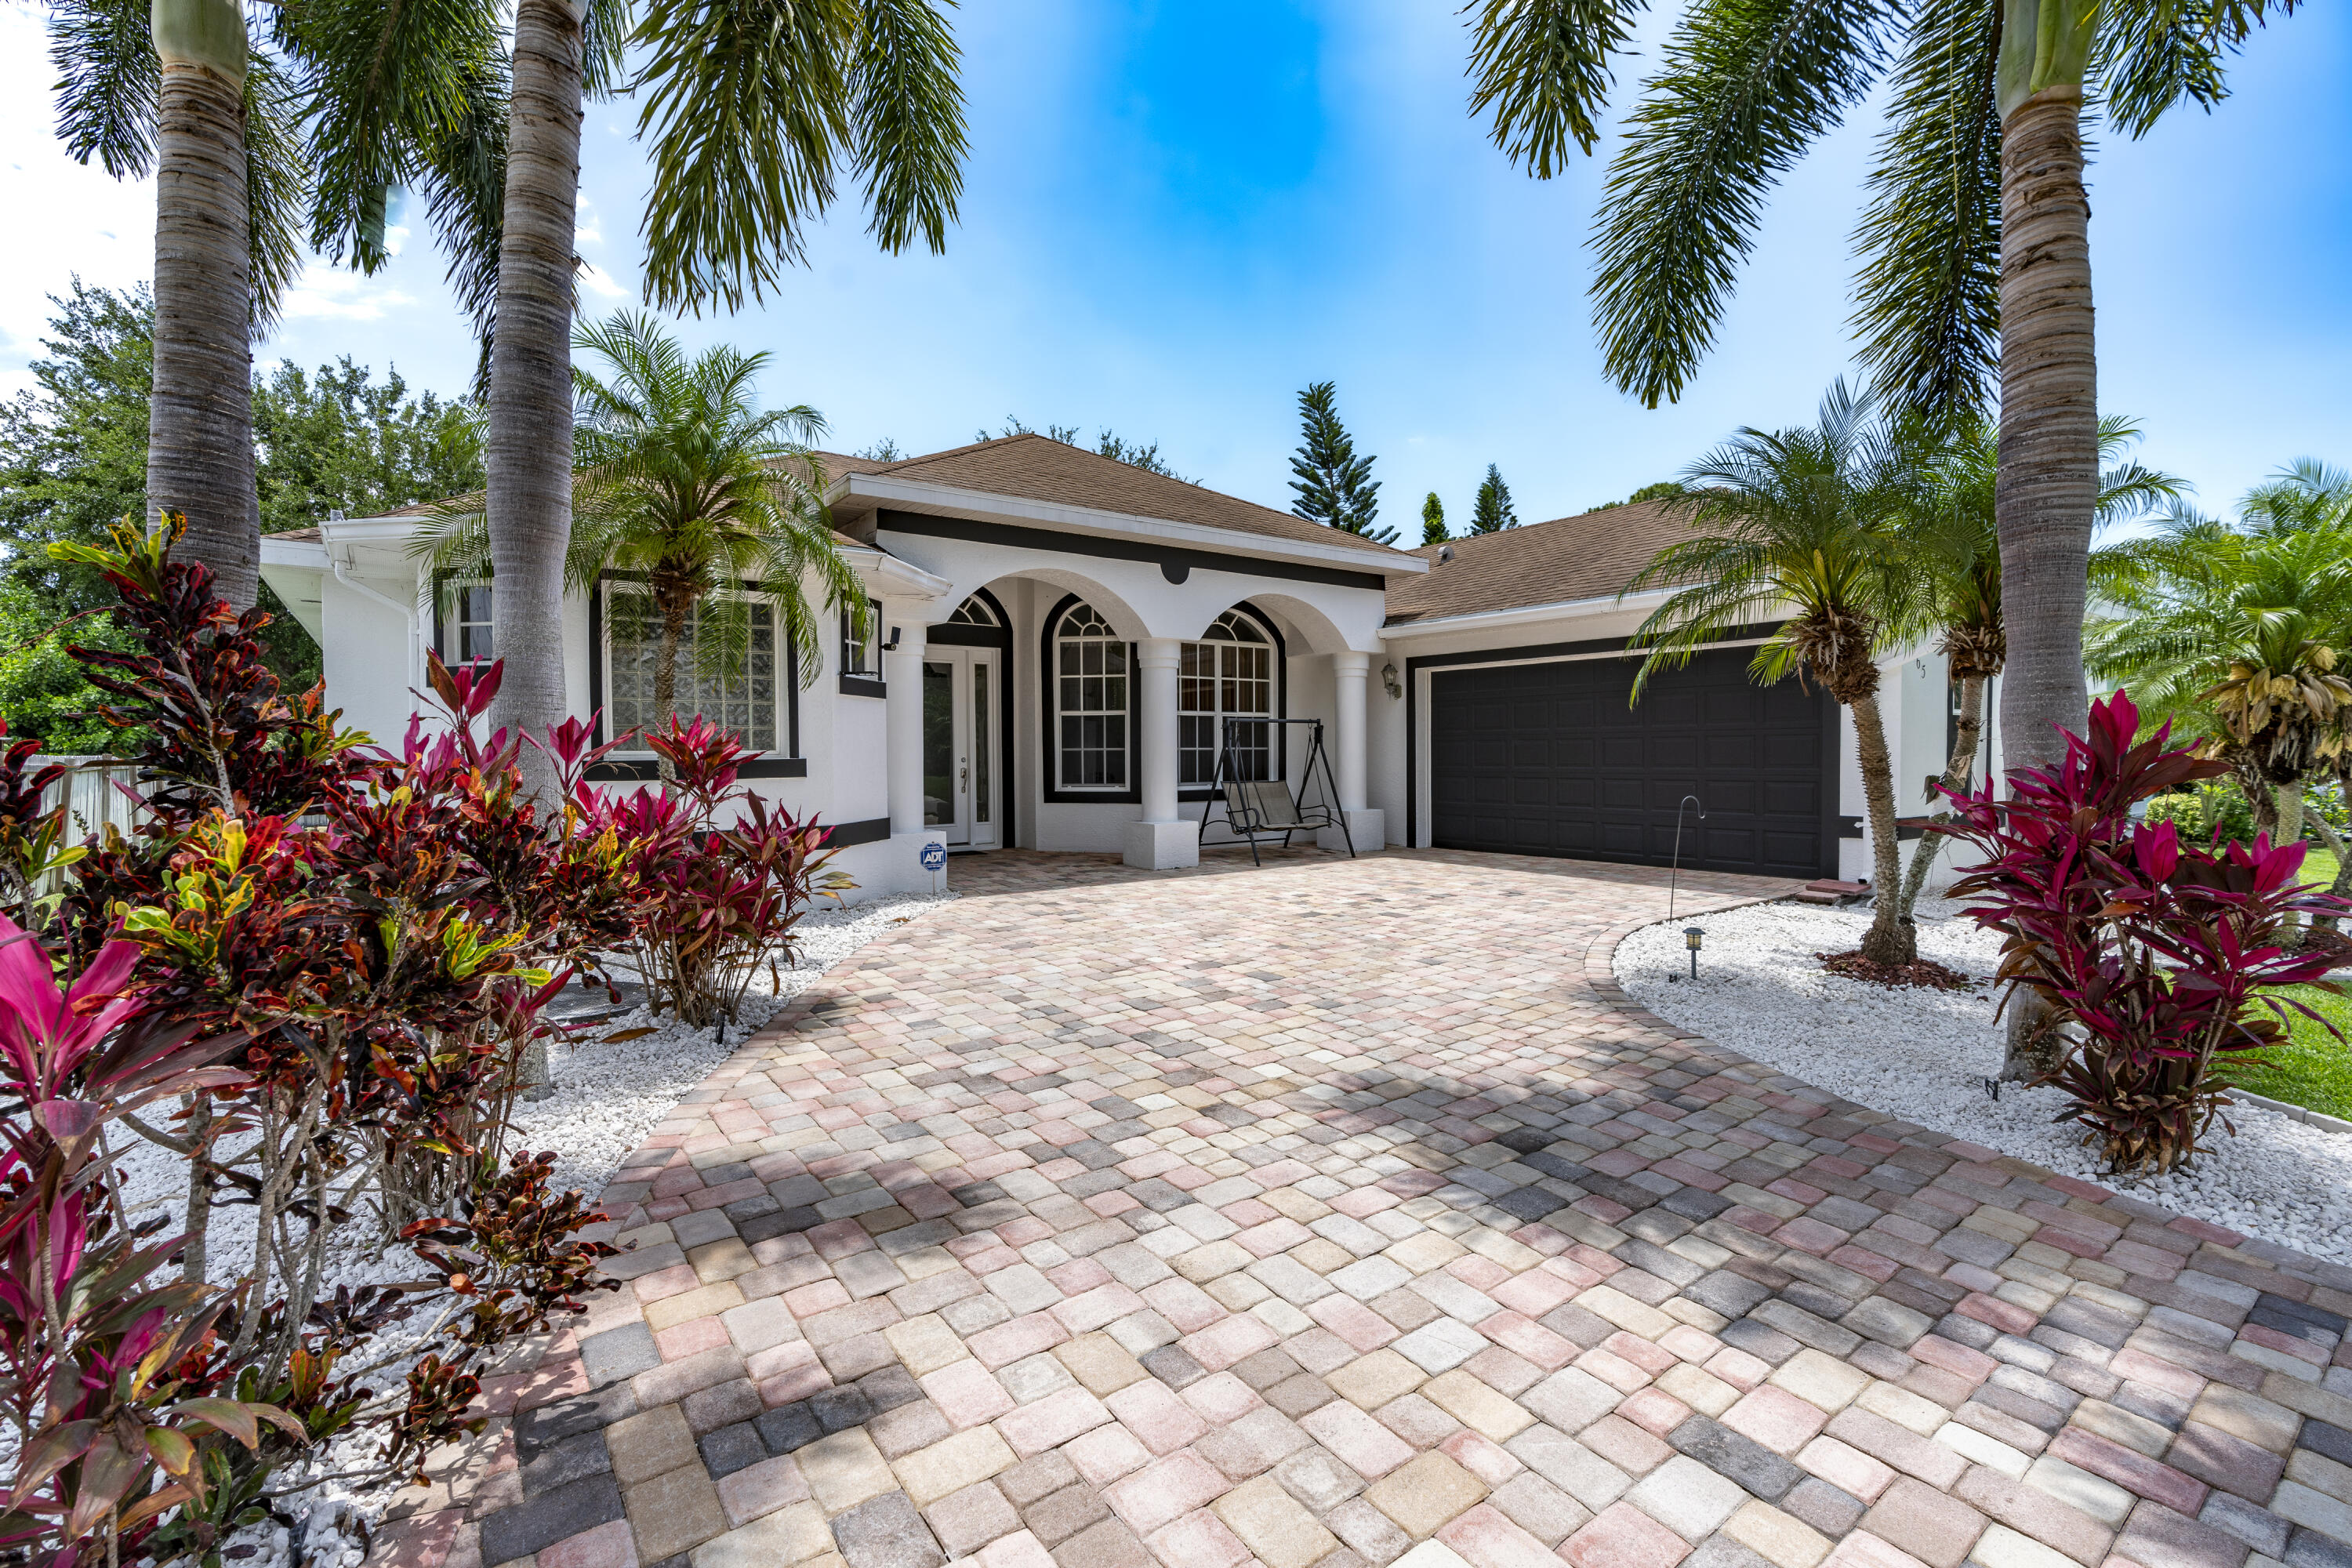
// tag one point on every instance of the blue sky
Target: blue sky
(1179, 212)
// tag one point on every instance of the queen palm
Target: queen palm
(265, 136)
(684, 482)
(1975, 241)
(756, 112)
(1798, 525)
(1956, 531)
(2242, 637)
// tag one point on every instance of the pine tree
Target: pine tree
(1493, 512)
(1334, 486)
(1433, 520)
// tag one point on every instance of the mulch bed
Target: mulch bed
(1925, 972)
(2331, 941)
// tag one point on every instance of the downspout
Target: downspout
(407, 613)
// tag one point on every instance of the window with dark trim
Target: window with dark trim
(738, 689)
(1229, 674)
(470, 620)
(860, 657)
(1090, 702)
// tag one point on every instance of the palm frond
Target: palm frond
(383, 84)
(1748, 86)
(1542, 68)
(909, 113)
(276, 184)
(747, 106)
(109, 79)
(1928, 309)
(462, 176)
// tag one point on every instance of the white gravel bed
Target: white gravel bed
(1922, 1055)
(609, 1095)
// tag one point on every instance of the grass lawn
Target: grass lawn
(2313, 1069)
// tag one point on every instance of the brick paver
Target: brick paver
(1338, 1214)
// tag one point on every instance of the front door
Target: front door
(961, 691)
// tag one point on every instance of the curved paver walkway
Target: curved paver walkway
(1343, 1213)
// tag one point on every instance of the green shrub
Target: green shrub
(2201, 813)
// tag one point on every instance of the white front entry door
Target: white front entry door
(961, 688)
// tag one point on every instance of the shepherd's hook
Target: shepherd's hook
(1675, 875)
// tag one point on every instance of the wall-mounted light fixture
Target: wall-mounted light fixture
(892, 646)
(1389, 680)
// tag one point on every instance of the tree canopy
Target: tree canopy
(1332, 484)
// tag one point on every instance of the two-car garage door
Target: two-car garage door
(1549, 759)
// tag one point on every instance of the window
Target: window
(472, 603)
(740, 696)
(1091, 698)
(973, 611)
(859, 655)
(1229, 674)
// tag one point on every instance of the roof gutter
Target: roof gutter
(1478, 620)
(956, 501)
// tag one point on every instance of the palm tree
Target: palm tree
(1956, 533)
(2237, 635)
(1974, 239)
(1799, 525)
(754, 112)
(264, 138)
(682, 481)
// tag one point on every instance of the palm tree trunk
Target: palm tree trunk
(2049, 474)
(529, 450)
(1891, 938)
(1959, 770)
(2048, 483)
(675, 605)
(200, 418)
(2342, 885)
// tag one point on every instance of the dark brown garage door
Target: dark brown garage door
(1547, 759)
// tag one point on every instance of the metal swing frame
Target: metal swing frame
(1257, 810)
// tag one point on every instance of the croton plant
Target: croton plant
(313, 969)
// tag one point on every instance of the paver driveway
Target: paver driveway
(1342, 1213)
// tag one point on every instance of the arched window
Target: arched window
(1091, 698)
(974, 612)
(1228, 674)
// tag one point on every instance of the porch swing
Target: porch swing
(1257, 810)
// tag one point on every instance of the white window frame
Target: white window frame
(1195, 721)
(455, 623)
(1114, 649)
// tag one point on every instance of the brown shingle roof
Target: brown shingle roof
(296, 535)
(1589, 557)
(1036, 468)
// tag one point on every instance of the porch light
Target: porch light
(1389, 680)
(1692, 937)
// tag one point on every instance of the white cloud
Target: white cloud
(599, 281)
(342, 294)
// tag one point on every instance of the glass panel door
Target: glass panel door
(941, 797)
(982, 730)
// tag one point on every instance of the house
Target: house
(1058, 640)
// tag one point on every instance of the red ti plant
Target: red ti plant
(2158, 959)
(729, 879)
(105, 1377)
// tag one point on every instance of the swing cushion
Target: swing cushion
(1270, 804)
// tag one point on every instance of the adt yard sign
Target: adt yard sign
(935, 856)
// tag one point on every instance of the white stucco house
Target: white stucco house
(1059, 638)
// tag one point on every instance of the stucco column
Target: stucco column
(1163, 838)
(1347, 673)
(902, 668)
(1366, 830)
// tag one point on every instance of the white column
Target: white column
(1366, 830)
(1163, 839)
(1347, 673)
(902, 669)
